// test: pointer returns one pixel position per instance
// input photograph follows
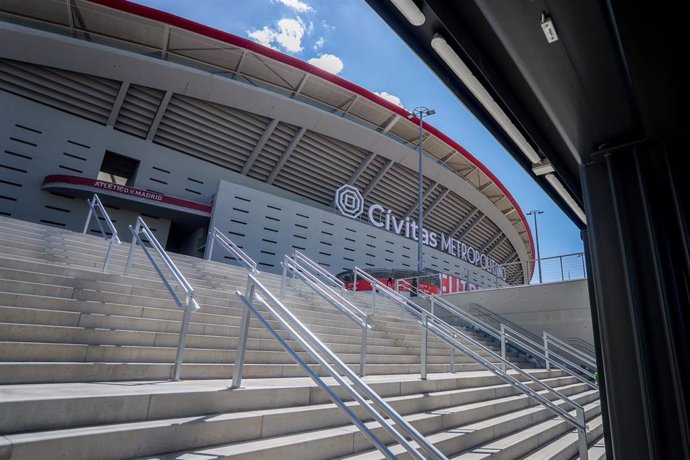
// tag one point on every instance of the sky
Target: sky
(347, 38)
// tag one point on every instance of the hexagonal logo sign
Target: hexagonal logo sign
(349, 201)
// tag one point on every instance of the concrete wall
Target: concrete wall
(561, 309)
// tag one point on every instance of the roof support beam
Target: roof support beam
(259, 146)
(300, 86)
(162, 107)
(118, 104)
(436, 202)
(496, 245)
(238, 69)
(464, 220)
(500, 236)
(166, 42)
(509, 259)
(349, 106)
(71, 18)
(286, 155)
(471, 227)
(391, 122)
(361, 168)
(384, 169)
(415, 205)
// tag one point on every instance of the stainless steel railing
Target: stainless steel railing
(94, 206)
(371, 402)
(188, 305)
(226, 243)
(318, 270)
(509, 335)
(432, 323)
(576, 354)
(332, 296)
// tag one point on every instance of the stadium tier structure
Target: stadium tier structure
(193, 128)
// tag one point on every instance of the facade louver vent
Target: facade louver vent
(79, 94)
(138, 110)
(212, 132)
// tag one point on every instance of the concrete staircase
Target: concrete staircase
(85, 359)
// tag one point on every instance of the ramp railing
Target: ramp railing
(326, 276)
(431, 323)
(96, 206)
(215, 235)
(188, 305)
(332, 296)
(378, 409)
(524, 341)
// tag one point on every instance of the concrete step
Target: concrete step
(457, 437)
(244, 428)
(53, 372)
(566, 446)
(31, 407)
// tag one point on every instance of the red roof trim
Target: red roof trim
(186, 24)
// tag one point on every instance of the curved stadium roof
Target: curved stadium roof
(158, 34)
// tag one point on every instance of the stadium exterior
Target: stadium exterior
(193, 128)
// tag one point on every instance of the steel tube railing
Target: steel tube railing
(356, 388)
(341, 304)
(508, 334)
(95, 204)
(332, 279)
(190, 304)
(216, 235)
(449, 334)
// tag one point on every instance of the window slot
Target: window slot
(21, 141)
(79, 171)
(28, 129)
(20, 155)
(78, 144)
(76, 157)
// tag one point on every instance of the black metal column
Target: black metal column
(636, 198)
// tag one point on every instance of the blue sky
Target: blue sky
(346, 37)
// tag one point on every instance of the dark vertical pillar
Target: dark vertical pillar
(636, 199)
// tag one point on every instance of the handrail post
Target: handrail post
(243, 336)
(132, 246)
(209, 241)
(425, 321)
(582, 433)
(503, 346)
(283, 281)
(562, 274)
(177, 368)
(354, 282)
(546, 350)
(432, 305)
(373, 298)
(88, 216)
(452, 355)
(108, 254)
(363, 348)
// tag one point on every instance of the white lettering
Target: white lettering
(372, 219)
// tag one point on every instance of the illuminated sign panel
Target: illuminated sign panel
(350, 203)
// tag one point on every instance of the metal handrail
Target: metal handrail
(333, 297)
(431, 322)
(498, 319)
(333, 280)
(215, 234)
(96, 204)
(518, 339)
(190, 304)
(573, 351)
(338, 370)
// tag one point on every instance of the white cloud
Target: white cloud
(319, 43)
(297, 5)
(328, 62)
(263, 36)
(288, 34)
(390, 98)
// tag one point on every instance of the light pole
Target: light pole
(420, 112)
(534, 213)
